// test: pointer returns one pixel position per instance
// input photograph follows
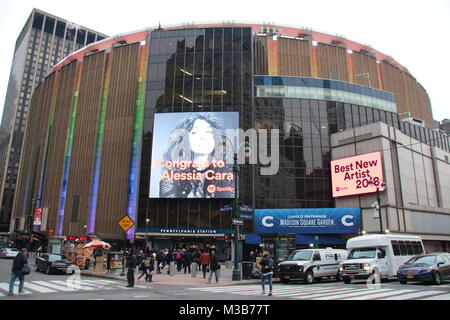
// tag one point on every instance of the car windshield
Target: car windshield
(299, 256)
(362, 253)
(421, 260)
(56, 257)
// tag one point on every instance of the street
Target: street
(41, 286)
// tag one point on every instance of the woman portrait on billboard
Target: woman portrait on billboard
(199, 138)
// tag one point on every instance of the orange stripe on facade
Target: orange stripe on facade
(380, 78)
(272, 54)
(314, 64)
(351, 68)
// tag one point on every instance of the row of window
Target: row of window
(406, 248)
(324, 84)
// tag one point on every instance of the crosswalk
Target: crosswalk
(55, 286)
(332, 292)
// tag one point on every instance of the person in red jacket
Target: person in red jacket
(204, 262)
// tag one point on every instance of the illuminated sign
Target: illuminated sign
(351, 176)
(188, 155)
(307, 221)
(37, 216)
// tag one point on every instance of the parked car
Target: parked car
(378, 256)
(432, 268)
(311, 264)
(8, 253)
(52, 263)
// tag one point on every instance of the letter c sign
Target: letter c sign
(266, 223)
(345, 222)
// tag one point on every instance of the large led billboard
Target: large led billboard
(192, 156)
(351, 176)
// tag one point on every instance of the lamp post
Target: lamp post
(379, 203)
(236, 271)
(147, 221)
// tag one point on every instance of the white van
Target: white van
(311, 264)
(379, 254)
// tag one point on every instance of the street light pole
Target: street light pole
(236, 272)
(147, 220)
(379, 203)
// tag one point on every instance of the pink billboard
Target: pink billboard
(351, 176)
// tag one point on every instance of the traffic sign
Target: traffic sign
(126, 223)
(246, 216)
(238, 222)
(226, 208)
(245, 209)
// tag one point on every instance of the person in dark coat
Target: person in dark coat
(131, 265)
(20, 261)
(187, 260)
(267, 271)
(214, 266)
(169, 259)
(196, 259)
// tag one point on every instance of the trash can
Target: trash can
(247, 268)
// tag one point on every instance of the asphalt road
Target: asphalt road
(64, 287)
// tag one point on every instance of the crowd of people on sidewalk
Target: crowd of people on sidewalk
(153, 260)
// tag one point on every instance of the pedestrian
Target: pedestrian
(169, 259)
(196, 259)
(187, 260)
(214, 266)
(204, 262)
(267, 271)
(159, 262)
(131, 265)
(146, 268)
(179, 260)
(18, 271)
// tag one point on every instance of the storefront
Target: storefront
(191, 239)
(282, 230)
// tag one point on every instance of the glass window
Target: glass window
(38, 21)
(81, 35)
(409, 248)
(49, 25)
(402, 247)
(395, 248)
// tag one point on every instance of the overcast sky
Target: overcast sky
(416, 33)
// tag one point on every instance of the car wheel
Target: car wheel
(309, 278)
(338, 277)
(403, 281)
(347, 280)
(47, 271)
(437, 278)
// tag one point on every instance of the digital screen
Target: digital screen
(192, 155)
(351, 176)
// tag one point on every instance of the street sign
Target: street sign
(245, 209)
(237, 222)
(375, 210)
(226, 208)
(246, 216)
(126, 223)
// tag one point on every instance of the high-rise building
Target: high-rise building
(43, 41)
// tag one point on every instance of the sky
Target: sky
(415, 33)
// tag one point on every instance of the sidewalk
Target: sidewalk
(179, 278)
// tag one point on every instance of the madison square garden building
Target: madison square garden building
(136, 125)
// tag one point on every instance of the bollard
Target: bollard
(172, 268)
(194, 269)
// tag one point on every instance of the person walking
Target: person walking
(20, 261)
(214, 266)
(196, 259)
(204, 262)
(169, 259)
(267, 271)
(159, 261)
(131, 265)
(187, 260)
(179, 260)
